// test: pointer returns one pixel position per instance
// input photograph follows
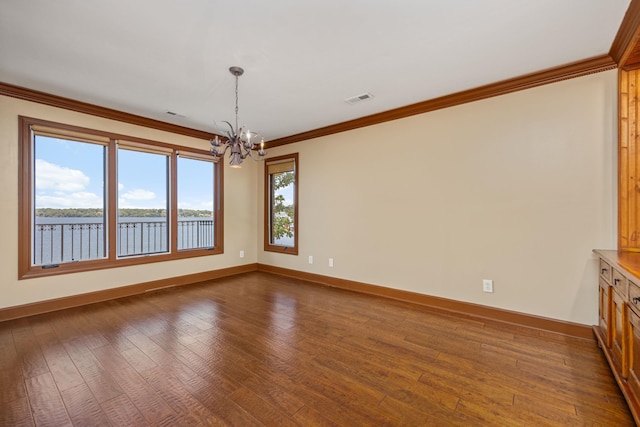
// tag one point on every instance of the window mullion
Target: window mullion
(112, 199)
(173, 203)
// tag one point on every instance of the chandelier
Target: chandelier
(238, 140)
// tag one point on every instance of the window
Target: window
(195, 202)
(68, 175)
(91, 200)
(281, 204)
(143, 194)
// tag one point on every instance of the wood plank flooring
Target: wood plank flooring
(259, 349)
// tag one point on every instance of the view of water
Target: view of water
(67, 239)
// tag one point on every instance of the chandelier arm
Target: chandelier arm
(246, 153)
(250, 153)
(260, 156)
(223, 152)
(231, 130)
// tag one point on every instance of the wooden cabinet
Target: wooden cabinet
(618, 328)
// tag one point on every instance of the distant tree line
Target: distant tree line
(124, 212)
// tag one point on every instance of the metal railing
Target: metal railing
(68, 242)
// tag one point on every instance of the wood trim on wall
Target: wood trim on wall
(120, 292)
(436, 303)
(628, 34)
(552, 75)
(95, 110)
(447, 305)
(628, 236)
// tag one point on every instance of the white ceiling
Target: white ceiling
(301, 58)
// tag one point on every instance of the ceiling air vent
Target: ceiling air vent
(172, 113)
(358, 98)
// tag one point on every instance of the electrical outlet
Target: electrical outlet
(310, 259)
(331, 262)
(487, 285)
(241, 254)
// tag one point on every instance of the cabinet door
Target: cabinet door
(618, 326)
(605, 311)
(633, 347)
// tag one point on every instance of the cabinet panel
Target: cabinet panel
(618, 325)
(605, 311)
(633, 349)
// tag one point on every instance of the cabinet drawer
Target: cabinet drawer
(605, 270)
(634, 296)
(619, 283)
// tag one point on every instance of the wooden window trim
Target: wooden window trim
(25, 205)
(268, 247)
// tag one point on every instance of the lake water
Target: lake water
(58, 240)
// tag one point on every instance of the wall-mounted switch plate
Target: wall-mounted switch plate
(330, 262)
(310, 259)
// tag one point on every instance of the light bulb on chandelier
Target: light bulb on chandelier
(238, 140)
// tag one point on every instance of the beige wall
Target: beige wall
(518, 188)
(239, 222)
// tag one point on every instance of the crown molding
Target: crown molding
(627, 36)
(95, 110)
(552, 75)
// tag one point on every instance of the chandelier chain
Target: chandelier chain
(236, 103)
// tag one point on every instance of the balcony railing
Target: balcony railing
(67, 242)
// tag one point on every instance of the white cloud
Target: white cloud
(120, 186)
(80, 199)
(138, 194)
(137, 198)
(50, 176)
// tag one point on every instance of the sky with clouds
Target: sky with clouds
(70, 174)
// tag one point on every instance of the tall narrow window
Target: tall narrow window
(196, 228)
(281, 204)
(68, 217)
(143, 195)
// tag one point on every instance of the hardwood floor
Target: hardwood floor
(260, 349)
